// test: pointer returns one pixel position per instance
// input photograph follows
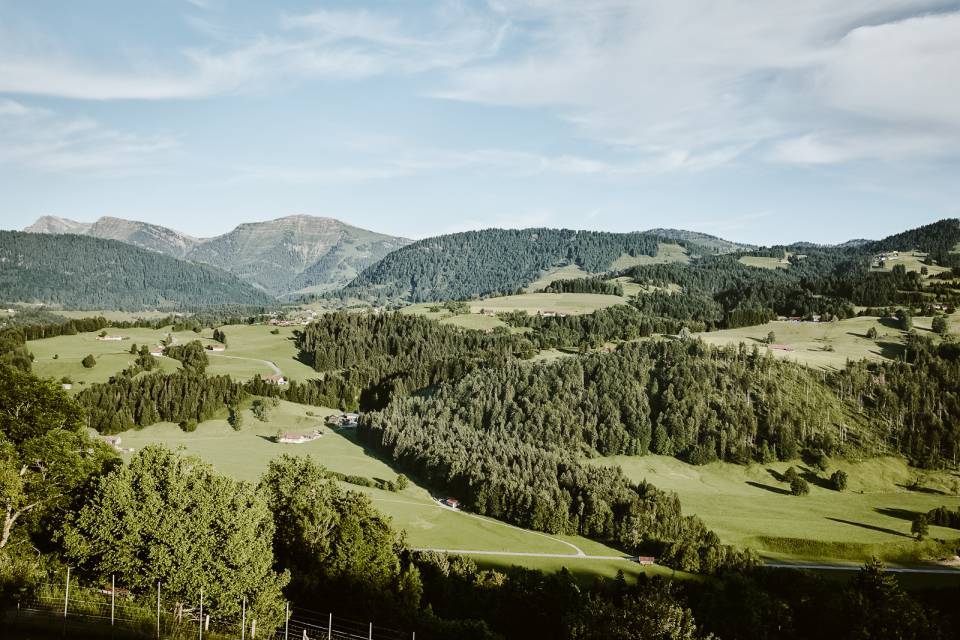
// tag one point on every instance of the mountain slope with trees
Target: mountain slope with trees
(80, 272)
(492, 261)
(285, 255)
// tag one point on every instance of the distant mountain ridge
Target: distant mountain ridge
(82, 272)
(282, 256)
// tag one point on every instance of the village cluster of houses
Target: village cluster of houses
(884, 258)
(301, 318)
(344, 420)
(813, 318)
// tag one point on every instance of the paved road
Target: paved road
(857, 567)
(273, 366)
(525, 554)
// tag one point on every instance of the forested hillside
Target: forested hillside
(462, 265)
(80, 272)
(280, 256)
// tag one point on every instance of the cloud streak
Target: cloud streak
(42, 139)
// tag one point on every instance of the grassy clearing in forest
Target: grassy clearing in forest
(828, 345)
(257, 342)
(764, 262)
(61, 356)
(749, 506)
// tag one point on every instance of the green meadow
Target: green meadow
(750, 506)
(827, 345)
(245, 455)
(61, 356)
(251, 349)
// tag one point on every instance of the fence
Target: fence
(102, 609)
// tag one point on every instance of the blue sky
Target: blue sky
(763, 122)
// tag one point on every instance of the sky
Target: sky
(764, 122)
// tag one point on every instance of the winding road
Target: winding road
(272, 365)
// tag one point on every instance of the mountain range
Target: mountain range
(294, 254)
(82, 272)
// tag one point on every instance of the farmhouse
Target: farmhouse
(156, 351)
(216, 347)
(344, 421)
(646, 560)
(110, 338)
(298, 438)
(276, 379)
(67, 386)
(453, 503)
(488, 312)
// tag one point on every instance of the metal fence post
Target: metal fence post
(66, 594)
(370, 634)
(201, 613)
(243, 621)
(113, 597)
(330, 627)
(286, 624)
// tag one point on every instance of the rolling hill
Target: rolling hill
(80, 272)
(463, 265)
(287, 255)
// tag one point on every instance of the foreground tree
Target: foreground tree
(171, 518)
(877, 607)
(334, 542)
(47, 462)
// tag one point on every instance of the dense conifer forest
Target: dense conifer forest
(79, 272)
(475, 263)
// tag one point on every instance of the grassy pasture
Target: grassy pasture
(245, 455)
(111, 357)
(810, 339)
(666, 252)
(763, 262)
(748, 506)
(257, 343)
(912, 261)
(566, 272)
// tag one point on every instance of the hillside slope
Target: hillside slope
(295, 253)
(90, 273)
(462, 265)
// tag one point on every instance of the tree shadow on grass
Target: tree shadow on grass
(901, 514)
(890, 350)
(871, 527)
(919, 489)
(769, 488)
(815, 479)
(776, 475)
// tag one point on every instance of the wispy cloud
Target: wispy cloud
(386, 159)
(42, 139)
(734, 76)
(323, 44)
